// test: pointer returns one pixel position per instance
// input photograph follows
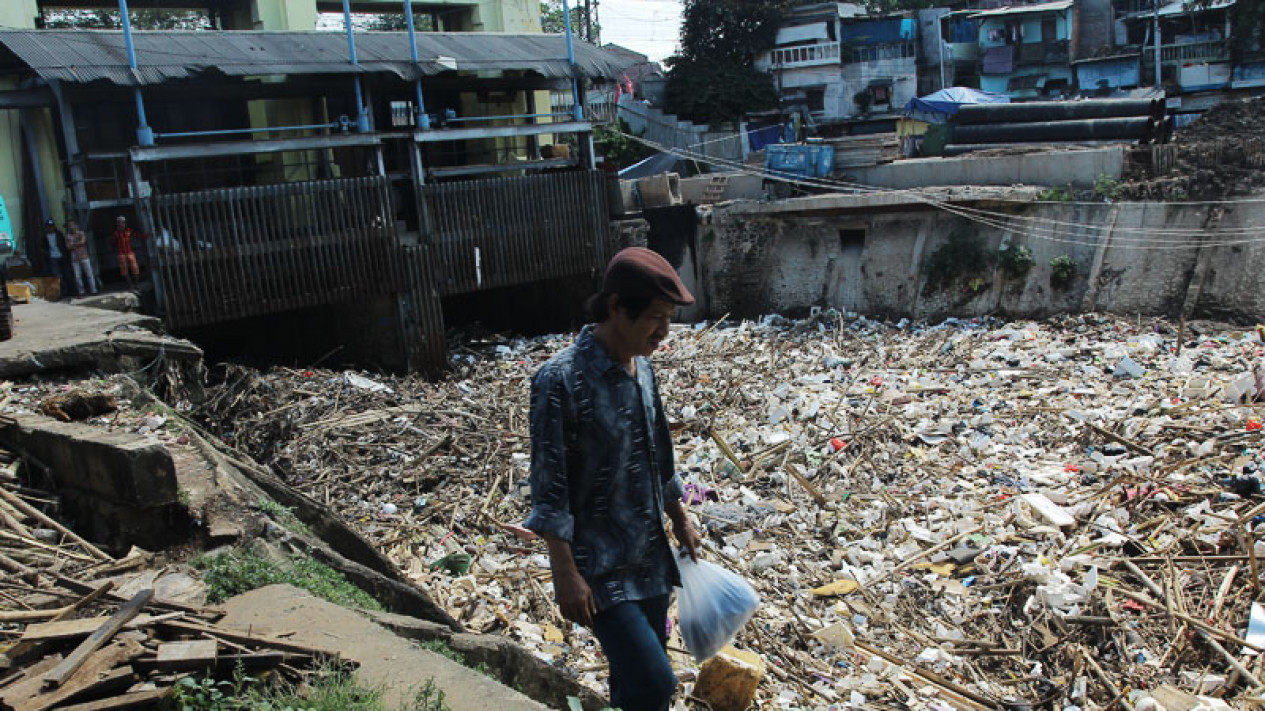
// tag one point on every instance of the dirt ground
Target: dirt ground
(1219, 156)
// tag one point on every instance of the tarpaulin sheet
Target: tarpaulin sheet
(877, 32)
(999, 60)
(761, 137)
(936, 106)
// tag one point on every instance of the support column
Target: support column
(79, 191)
(16, 14)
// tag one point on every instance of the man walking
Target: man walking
(602, 477)
(123, 236)
(80, 262)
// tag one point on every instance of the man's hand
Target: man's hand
(686, 536)
(688, 539)
(573, 594)
(574, 598)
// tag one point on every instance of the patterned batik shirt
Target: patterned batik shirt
(601, 470)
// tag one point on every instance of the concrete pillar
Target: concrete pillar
(18, 13)
(517, 16)
(276, 15)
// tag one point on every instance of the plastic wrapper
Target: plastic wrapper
(714, 604)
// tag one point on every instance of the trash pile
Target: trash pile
(129, 658)
(977, 514)
(79, 630)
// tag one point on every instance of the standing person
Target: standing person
(80, 262)
(123, 236)
(58, 254)
(602, 477)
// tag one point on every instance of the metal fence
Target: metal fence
(502, 232)
(230, 253)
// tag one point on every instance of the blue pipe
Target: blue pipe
(423, 120)
(498, 118)
(144, 134)
(362, 116)
(577, 111)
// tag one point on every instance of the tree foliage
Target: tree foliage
(141, 20)
(551, 20)
(714, 79)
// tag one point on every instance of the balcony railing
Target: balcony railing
(1210, 51)
(808, 55)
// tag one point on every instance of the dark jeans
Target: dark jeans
(633, 637)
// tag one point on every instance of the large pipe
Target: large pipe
(362, 116)
(423, 120)
(144, 134)
(1054, 111)
(577, 111)
(1085, 130)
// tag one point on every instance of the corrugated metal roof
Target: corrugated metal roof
(1023, 9)
(81, 56)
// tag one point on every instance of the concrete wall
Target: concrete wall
(901, 72)
(794, 254)
(1079, 168)
(740, 186)
(13, 13)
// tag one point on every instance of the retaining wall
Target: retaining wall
(872, 254)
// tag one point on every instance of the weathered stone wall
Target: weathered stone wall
(874, 255)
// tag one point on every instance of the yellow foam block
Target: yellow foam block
(727, 681)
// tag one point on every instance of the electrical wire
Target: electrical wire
(989, 218)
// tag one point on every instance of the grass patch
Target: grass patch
(283, 515)
(330, 689)
(440, 647)
(238, 571)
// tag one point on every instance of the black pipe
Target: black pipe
(1089, 130)
(972, 114)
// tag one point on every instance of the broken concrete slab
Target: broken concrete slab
(396, 664)
(121, 301)
(514, 664)
(51, 336)
(118, 486)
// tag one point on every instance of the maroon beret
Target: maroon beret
(638, 271)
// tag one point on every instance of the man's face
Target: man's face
(71, 226)
(120, 223)
(643, 334)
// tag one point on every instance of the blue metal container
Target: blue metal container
(799, 160)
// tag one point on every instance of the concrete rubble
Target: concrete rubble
(973, 514)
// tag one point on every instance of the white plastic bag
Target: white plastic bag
(714, 604)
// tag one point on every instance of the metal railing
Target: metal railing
(808, 55)
(501, 232)
(1217, 50)
(230, 253)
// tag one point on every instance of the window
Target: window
(851, 240)
(882, 94)
(401, 114)
(1049, 31)
(815, 98)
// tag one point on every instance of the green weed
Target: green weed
(329, 689)
(283, 515)
(1062, 270)
(238, 571)
(1015, 260)
(1055, 195)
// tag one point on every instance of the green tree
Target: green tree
(141, 20)
(714, 79)
(551, 19)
